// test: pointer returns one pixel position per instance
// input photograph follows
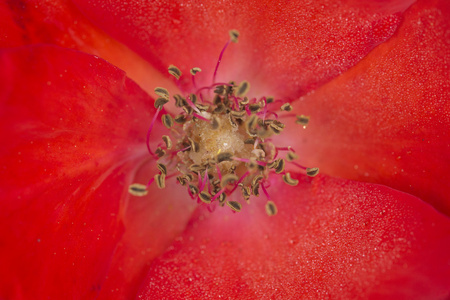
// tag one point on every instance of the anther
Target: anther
(228, 178)
(162, 92)
(254, 107)
(193, 189)
(257, 179)
(291, 156)
(194, 145)
(137, 189)
(162, 168)
(166, 139)
(274, 164)
(232, 121)
(167, 120)
(159, 103)
(175, 72)
(312, 171)
(195, 70)
(238, 114)
(243, 88)
(287, 179)
(234, 205)
(280, 167)
(271, 208)
(234, 35)
(276, 126)
(224, 156)
(193, 98)
(180, 119)
(286, 107)
(160, 152)
(205, 197)
(179, 101)
(245, 192)
(196, 168)
(182, 180)
(250, 125)
(245, 101)
(302, 120)
(160, 180)
(255, 189)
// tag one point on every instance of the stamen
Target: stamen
(271, 208)
(162, 92)
(234, 205)
(287, 179)
(205, 197)
(175, 72)
(195, 70)
(201, 117)
(192, 105)
(243, 88)
(162, 168)
(265, 191)
(167, 120)
(291, 156)
(160, 152)
(280, 167)
(166, 139)
(255, 189)
(303, 120)
(137, 189)
(226, 179)
(234, 34)
(312, 171)
(159, 103)
(160, 180)
(286, 107)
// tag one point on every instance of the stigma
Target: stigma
(219, 146)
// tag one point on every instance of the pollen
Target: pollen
(220, 145)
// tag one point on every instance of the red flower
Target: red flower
(373, 77)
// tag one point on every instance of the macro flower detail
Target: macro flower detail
(224, 142)
(81, 82)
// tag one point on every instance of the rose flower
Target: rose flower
(171, 149)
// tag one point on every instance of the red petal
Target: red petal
(387, 120)
(59, 22)
(151, 224)
(72, 128)
(285, 48)
(331, 239)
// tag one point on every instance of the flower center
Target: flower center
(220, 147)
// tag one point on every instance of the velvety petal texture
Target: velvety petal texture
(286, 47)
(331, 239)
(151, 225)
(387, 120)
(60, 22)
(73, 129)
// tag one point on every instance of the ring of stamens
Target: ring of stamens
(221, 142)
